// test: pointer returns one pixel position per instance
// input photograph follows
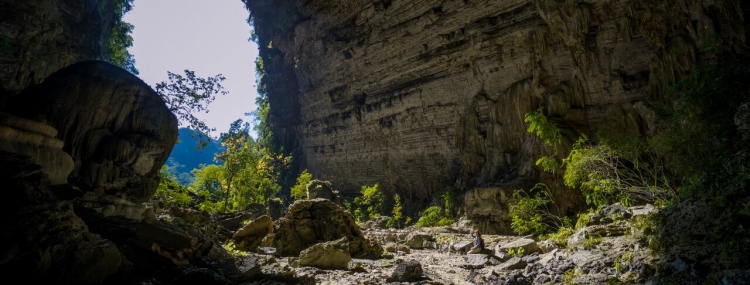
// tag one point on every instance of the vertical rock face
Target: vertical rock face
(38, 37)
(417, 94)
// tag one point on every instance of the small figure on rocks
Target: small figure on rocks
(478, 242)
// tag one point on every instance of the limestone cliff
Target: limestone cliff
(419, 94)
(38, 37)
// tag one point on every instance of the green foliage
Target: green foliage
(533, 212)
(170, 192)
(540, 126)
(591, 242)
(561, 236)
(448, 195)
(299, 191)
(370, 203)
(207, 184)
(584, 219)
(434, 216)
(516, 252)
(543, 128)
(187, 95)
(247, 174)
(569, 276)
(262, 123)
(118, 40)
(397, 214)
(265, 137)
(605, 177)
(622, 261)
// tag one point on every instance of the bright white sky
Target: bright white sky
(206, 36)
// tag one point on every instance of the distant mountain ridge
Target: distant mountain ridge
(185, 156)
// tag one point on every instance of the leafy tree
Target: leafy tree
(207, 184)
(118, 40)
(299, 191)
(397, 214)
(187, 95)
(247, 174)
(369, 203)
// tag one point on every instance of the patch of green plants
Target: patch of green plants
(434, 216)
(370, 203)
(622, 261)
(516, 252)
(170, 192)
(591, 242)
(119, 39)
(231, 248)
(606, 176)
(299, 190)
(569, 276)
(533, 212)
(397, 214)
(560, 237)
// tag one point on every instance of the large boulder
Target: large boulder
(610, 213)
(529, 246)
(309, 222)
(232, 221)
(317, 189)
(251, 236)
(406, 271)
(418, 240)
(116, 128)
(327, 255)
(274, 208)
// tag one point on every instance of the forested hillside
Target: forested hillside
(188, 155)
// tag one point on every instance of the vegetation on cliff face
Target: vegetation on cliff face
(695, 168)
(119, 39)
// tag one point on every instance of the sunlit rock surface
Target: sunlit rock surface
(421, 94)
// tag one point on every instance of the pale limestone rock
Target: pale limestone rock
(36, 140)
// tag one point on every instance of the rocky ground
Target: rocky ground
(606, 252)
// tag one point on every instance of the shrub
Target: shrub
(605, 177)
(370, 203)
(396, 214)
(561, 236)
(299, 190)
(170, 192)
(532, 213)
(433, 216)
(448, 195)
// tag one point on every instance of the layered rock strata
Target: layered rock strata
(421, 94)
